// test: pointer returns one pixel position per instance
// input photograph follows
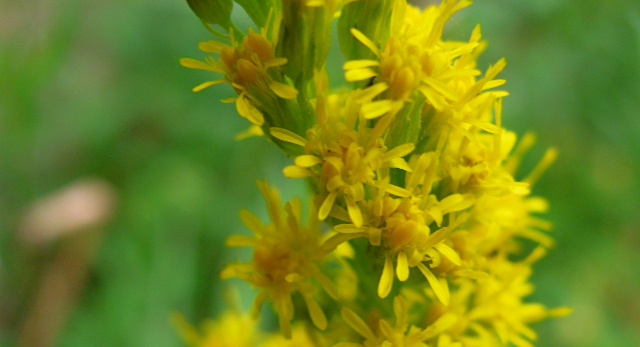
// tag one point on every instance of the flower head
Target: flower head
(400, 227)
(234, 329)
(343, 155)
(286, 255)
(401, 334)
(246, 67)
(414, 62)
(491, 311)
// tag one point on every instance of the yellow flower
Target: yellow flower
(400, 227)
(344, 160)
(402, 334)
(299, 338)
(286, 256)
(246, 68)
(491, 311)
(230, 330)
(415, 59)
(233, 329)
(477, 165)
(505, 213)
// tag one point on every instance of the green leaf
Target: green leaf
(213, 11)
(258, 10)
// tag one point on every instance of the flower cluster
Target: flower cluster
(413, 177)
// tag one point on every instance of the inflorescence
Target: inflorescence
(418, 232)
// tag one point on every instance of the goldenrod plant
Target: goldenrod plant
(420, 227)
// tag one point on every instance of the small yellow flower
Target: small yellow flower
(230, 330)
(233, 329)
(491, 311)
(402, 334)
(286, 256)
(400, 227)
(245, 67)
(415, 61)
(343, 159)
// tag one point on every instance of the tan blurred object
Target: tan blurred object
(82, 205)
(72, 216)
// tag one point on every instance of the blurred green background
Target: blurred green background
(94, 90)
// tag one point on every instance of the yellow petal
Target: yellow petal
(229, 100)
(275, 62)
(493, 84)
(197, 64)
(287, 136)
(386, 279)
(284, 312)
(436, 237)
(448, 253)
(537, 236)
(398, 191)
(344, 250)
(559, 312)
(360, 64)
(371, 92)
(248, 111)
(317, 316)
(251, 221)
(535, 255)
(456, 202)
(400, 310)
(325, 283)
(478, 275)
(252, 131)
(228, 272)
(307, 160)
(440, 88)
(436, 214)
(257, 304)
(354, 212)
(282, 90)
(549, 157)
(357, 324)
(327, 205)
(241, 241)
(206, 84)
(400, 163)
(359, 74)
(387, 331)
(440, 292)
(336, 162)
(435, 99)
(293, 171)
(334, 241)
(212, 46)
(375, 236)
(399, 151)
(402, 268)
(484, 125)
(348, 229)
(365, 41)
(441, 324)
(334, 183)
(376, 109)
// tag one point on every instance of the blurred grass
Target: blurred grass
(95, 90)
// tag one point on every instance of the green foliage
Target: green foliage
(213, 11)
(258, 10)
